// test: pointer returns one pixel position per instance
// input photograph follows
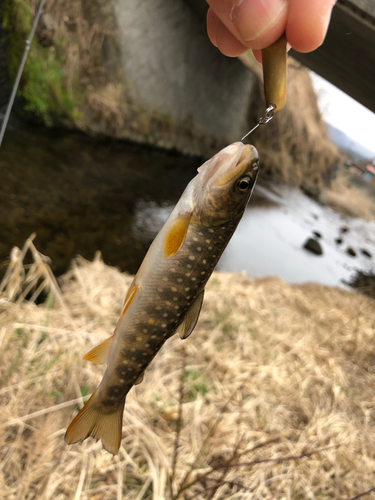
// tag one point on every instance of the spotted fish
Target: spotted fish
(166, 294)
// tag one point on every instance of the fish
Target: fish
(166, 295)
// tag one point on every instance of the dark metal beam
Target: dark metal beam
(347, 57)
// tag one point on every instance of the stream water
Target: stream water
(81, 194)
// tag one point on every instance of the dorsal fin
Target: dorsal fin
(176, 234)
(191, 318)
(98, 354)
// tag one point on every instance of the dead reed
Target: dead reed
(350, 200)
(272, 396)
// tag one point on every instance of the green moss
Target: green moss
(42, 85)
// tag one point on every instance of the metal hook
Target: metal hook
(267, 116)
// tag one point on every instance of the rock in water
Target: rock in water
(366, 253)
(313, 246)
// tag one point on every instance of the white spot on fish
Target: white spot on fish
(165, 315)
(210, 248)
(195, 239)
(147, 345)
(188, 297)
(133, 349)
(123, 373)
(122, 380)
(200, 233)
(144, 353)
(214, 255)
(207, 241)
(187, 289)
(193, 279)
(191, 257)
(173, 269)
(175, 298)
(204, 261)
(177, 314)
(179, 280)
(220, 237)
(174, 289)
(167, 302)
(144, 330)
(125, 361)
(158, 308)
(211, 230)
(164, 325)
(203, 272)
(153, 337)
(130, 369)
(177, 307)
(188, 266)
(139, 339)
(199, 249)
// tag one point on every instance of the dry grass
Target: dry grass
(350, 200)
(272, 396)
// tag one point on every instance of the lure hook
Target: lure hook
(267, 116)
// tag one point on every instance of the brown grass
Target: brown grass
(272, 396)
(350, 200)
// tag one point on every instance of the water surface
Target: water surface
(81, 195)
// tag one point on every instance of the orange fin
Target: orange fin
(129, 297)
(98, 354)
(191, 318)
(93, 421)
(176, 235)
(140, 378)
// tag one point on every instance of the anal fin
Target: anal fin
(191, 318)
(98, 354)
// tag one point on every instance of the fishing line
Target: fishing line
(267, 117)
(20, 71)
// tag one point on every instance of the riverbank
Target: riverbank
(277, 377)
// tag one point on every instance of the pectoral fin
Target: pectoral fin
(191, 318)
(99, 353)
(176, 234)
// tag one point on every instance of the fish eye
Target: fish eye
(244, 184)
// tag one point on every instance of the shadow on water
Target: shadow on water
(80, 194)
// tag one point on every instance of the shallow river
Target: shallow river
(81, 195)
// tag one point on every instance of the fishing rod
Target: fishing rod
(20, 71)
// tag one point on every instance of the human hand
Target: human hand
(234, 26)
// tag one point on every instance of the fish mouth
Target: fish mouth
(247, 161)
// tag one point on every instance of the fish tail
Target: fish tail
(102, 424)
